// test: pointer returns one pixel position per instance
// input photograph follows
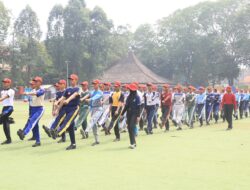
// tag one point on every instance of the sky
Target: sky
(122, 12)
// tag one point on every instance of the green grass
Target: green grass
(203, 158)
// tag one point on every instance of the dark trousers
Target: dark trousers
(165, 111)
(150, 115)
(131, 121)
(113, 120)
(4, 119)
(68, 123)
(241, 108)
(209, 110)
(200, 108)
(216, 110)
(228, 111)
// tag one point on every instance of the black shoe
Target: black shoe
(95, 143)
(228, 129)
(179, 128)
(47, 130)
(71, 147)
(32, 139)
(6, 142)
(150, 133)
(20, 134)
(54, 134)
(11, 120)
(146, 130)
(61, 141)
(36, 144)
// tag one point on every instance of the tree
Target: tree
(4, 22)
(55, 40)
(76, 32)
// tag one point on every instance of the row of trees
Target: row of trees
(203, 44)
(81, 39)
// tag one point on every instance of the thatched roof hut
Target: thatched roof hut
(130, 69)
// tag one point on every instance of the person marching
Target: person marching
(246, 103)
(157, 105)
(36, 111)
(132, 108)
(150, 105)
(70, 100)
(103, 121)
(190, 106)
(166, 106)
(141, 94)
(96, 110)
(238, 97)
(209, 104)
(216, 105)
(116, 101)
(178, 101)
(241, 107)
(58, 114)
(84, 111)
(200, 104)
(7, 99)
(229, 104)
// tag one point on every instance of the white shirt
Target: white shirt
(38, 100)
(141, 96)
(10, 100)
(150, 98)
(178, 98)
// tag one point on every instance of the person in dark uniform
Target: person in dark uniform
(60, 116)
(7, 99)
(71, 100)
(216, 106)
(228, 104)
(209, 104)
(132, 108)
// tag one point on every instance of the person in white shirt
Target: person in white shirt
(7, 99)
(150, 105)
(178, 101)
(36, 112)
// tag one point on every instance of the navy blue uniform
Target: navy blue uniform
(216, 106)
(71, 111)
(209, 106)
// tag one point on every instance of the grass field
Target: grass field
(206, 158)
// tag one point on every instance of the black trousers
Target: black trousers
(165, 111)
(4, 119)
(114, 118)
(228, 111)
(131, 121)
(241, 108)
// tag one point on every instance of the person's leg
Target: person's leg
(69, 119)
(150, 118)
(226, 114)
(71, 131)
(131, 123)
(230, 116)
(117, 131)
(95, 133)
(34, 118)
(6, 112)
(36, 133)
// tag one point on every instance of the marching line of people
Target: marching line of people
(130, 107)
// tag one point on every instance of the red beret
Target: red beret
(6, 80)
